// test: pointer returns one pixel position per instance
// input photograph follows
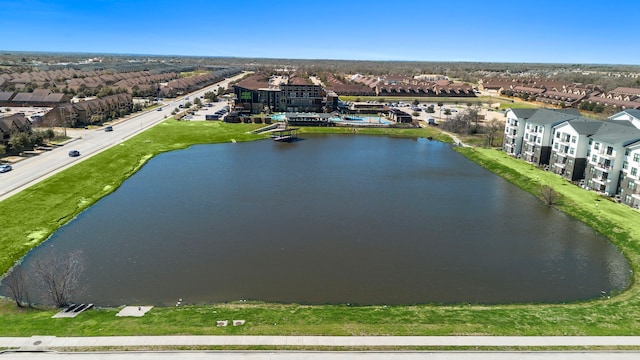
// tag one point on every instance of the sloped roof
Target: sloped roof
(614, 133)
(524, 113)
(584, 126)
(633, 112)
(551, 117)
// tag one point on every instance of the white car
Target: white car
(5, 168)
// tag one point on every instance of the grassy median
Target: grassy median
(40, 210)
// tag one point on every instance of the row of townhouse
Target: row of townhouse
(602, 155)
(89, 111)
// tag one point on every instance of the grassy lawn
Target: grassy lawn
(41, 209)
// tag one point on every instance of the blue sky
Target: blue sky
(600, 32)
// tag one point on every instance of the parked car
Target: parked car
(5, 168)
(108, 128)
(159, 109)
(74, 153)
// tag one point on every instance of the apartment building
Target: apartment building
(259, 92)
(608, 164)
(629, 116)
(570, 146)
(629, 177)
(514, 130)
(538, 133)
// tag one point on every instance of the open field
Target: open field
(48, 205)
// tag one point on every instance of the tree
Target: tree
(416, 102)
(211, 96)
(57, 275)
(491, 130)
(19, 141)
(549, 195)
(15, 282)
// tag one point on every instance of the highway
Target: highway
(29, 171)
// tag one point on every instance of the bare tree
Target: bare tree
(491, 131)
(15, 282)
(549, 195)
(57, 276)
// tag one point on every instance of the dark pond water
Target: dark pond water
(331, 219)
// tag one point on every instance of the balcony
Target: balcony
(602, 178)
(607, 153)
(604, 166)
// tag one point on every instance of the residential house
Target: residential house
(12, 124)
(608, 156)
(570, 145)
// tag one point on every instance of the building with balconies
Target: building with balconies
(629, 176)
(570, 145)
(514, 130)
(538, 132)
(607, 157)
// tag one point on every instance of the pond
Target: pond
(331, 219)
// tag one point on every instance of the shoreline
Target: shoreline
(574, 318)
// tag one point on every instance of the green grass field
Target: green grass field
(40, 210)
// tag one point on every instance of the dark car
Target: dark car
(108, 128)
(74, 153)
(5, 168)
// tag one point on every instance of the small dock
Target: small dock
(285, 135)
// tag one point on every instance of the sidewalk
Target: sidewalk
(41, 343)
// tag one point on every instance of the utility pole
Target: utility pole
(64, 121)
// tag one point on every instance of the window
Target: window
(625, 165)
(570, 162)
(627, 199)
(572, 151)
(594, 158)
(634, 171)
(596, 146)
(592, 170)
(557, 134)
(573, 139)
(627, 152)
(636, 157)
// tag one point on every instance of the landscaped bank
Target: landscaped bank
(45, 207)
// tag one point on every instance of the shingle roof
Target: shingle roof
(524, 113)
(552, 117)
(633, 112)
(585, 126)
(613, 133)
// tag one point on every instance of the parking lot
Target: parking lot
(208, 109)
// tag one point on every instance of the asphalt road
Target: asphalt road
(90, 142)
(327, 355)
